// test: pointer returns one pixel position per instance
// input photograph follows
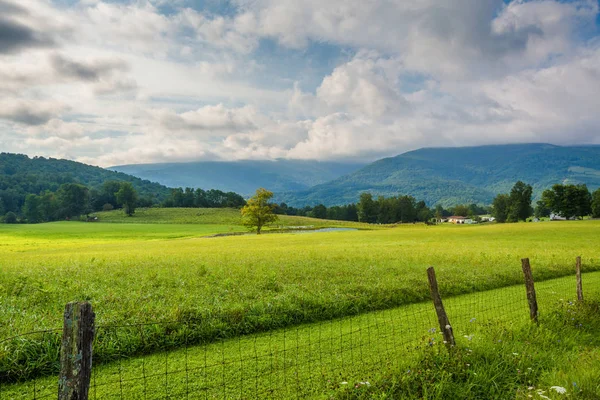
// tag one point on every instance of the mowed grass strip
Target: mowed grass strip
(240, 285)
(318, 360)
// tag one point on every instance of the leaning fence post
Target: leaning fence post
(445, 326)
(578, 273)
(76, 352)
(531, 298)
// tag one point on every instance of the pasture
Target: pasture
(141, 271)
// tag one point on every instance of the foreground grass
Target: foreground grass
(500, 354)
(239, 285)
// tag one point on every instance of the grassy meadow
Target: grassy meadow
(159, 266)
(398, 351)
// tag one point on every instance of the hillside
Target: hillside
(450, 176)
(226, 219)
(21, 175)
(242, 177)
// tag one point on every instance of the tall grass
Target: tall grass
(238, 285)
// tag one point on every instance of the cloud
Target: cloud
(15, 37)
(212, 118)
(86, 71)
(29, 112)
(120, 82)
(30, 24)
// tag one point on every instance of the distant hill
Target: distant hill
(21, 175)
(450, 176)
(242, 177)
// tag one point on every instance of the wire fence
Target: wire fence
(291, 362)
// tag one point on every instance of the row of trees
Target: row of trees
(212, 198)
(72, 200)
(566, 201)
(382, 210)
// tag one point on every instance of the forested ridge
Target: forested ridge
(21, 175)
(459, 175)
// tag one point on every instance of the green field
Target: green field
(142, 271)
(496, 343)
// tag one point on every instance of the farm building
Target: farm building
(459, 220)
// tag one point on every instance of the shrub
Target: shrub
(10, 218)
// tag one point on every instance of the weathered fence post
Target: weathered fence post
(445, 326)
(578, 273)
(76, 352)
(531, 298)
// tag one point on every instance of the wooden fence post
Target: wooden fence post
(579, 285)
(445, 326)
(531, 298)
(76, 352)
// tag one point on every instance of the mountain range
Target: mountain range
(242, 177)
(450, 176)
(446, 176)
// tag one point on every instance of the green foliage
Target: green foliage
(501, 208)
(596, 204)
(258, 212)
(21, 175)
(127, 198)
(541, 209)
(200, 198)
(568, 201)
(10, 218)
(513, 207)
(520, 202)
(460, 210)
(32, 209)
(391, 210)
(366, 208)
(73, 200)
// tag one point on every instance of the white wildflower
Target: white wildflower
(559, 389)
(448, 327)
(541, 394)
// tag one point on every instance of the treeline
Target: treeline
(189, 198)
(565, 201)
(72, 200)
(390, 210)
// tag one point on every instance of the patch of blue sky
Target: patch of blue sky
(412, 82)
(282, 66)
(189, 103)
(215, 7)
(105, 133)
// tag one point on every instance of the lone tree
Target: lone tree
(258, 211)
(127, 197)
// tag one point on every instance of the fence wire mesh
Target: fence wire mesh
(291, 362)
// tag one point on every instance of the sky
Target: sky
(141, 81)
